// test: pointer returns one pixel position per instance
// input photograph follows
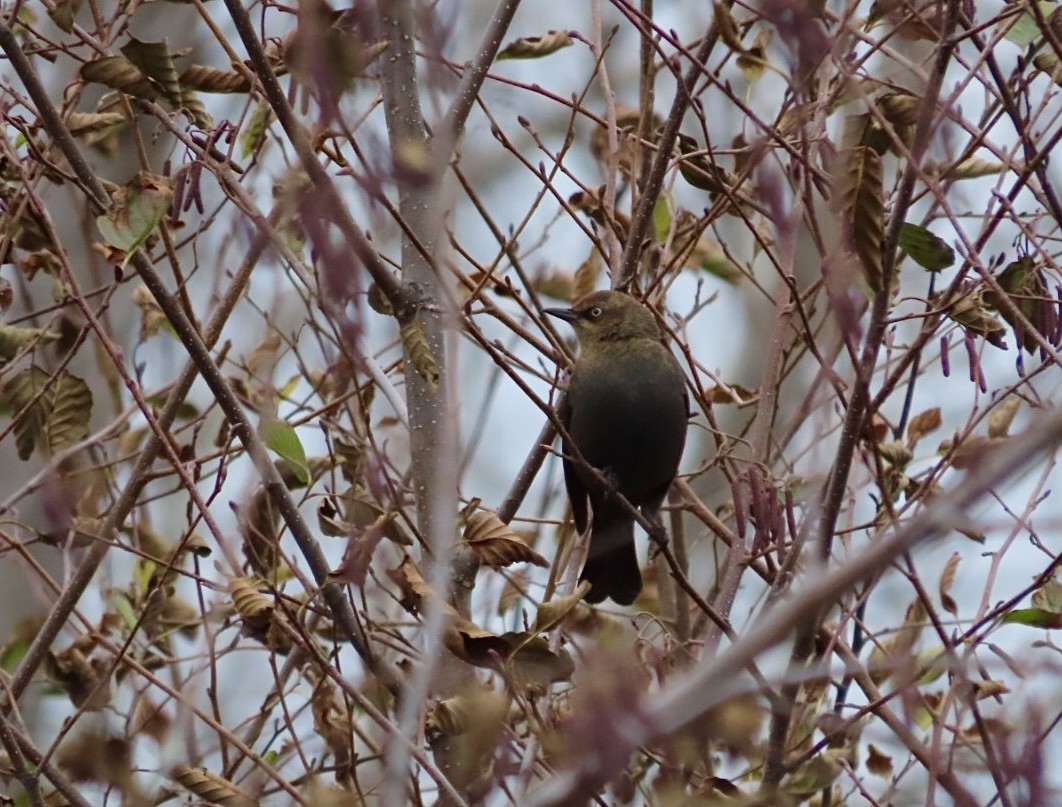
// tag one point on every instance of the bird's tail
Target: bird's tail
(612, 564)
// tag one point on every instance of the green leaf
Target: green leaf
(661, 219)
(124, 609)
(1034, 617)
(1027, 29)
(281, 439)
(928, 250)
(13, 652)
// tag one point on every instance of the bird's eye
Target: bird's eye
(594, 312)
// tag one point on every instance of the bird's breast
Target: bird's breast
(628, 416)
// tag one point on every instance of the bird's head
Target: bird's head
(608, 316)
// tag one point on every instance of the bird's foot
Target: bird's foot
(658, 538)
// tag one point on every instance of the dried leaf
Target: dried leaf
(558, 284)
(878, 763)
(412, 586)
(974, 167)
(859, 202)
(80, 123)
(14, 339)
(136, 210)
(361, 546)
(152, 318)
(99, 757)
(1049, 596)
(210, 79)
(726, 27)
(947, 579)
(496, 545)
(210, 787)
(254, 607)
(419, 352)
(525, 656)
(922, 424)
(50, 414)
(818, 773)
(551, 613)
(463, 732)
(971, 312)
(587, 275)
(535, 47)
(156, 62)
(1003, 415)
(119, 73)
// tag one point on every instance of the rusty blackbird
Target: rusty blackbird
(626, 411)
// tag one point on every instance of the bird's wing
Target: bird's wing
(576, 491)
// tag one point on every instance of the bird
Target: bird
(626, 411)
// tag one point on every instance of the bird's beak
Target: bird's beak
(567, 314)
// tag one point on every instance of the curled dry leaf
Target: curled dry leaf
(860, 204)
(119, 73)
(254, 607)
(210, 787)
(535, 47)
(419, 352)
(411, 584)
(947, 579)
(922, 424)
(496, 545)
(526, 658)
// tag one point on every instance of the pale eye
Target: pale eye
(595, 312)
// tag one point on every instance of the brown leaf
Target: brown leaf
(361, 546)
(463, 732)
(52, 413)
(525, 656)
(412, 586)
(419, 352)
(80, 676)
(496, 545)
(878, 763)
(587, 275)
(551, 613)
(860, 205)
(922, 424)
(1002, 416)
(210, 79)
(99, 757)
(211, 787)
(947, 579)
(119, 73)
(254, 607)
